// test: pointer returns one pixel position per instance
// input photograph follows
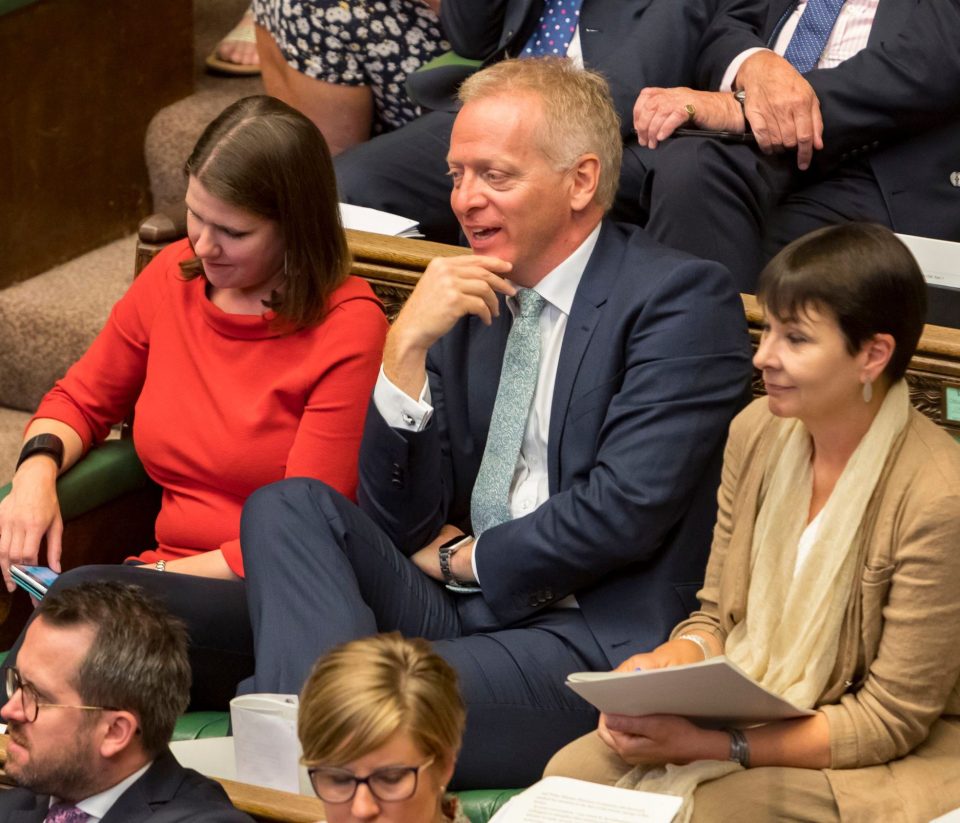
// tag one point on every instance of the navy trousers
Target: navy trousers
(320, 572)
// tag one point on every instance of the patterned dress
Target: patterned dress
(374, 43)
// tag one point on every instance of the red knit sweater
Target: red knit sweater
(224, 403)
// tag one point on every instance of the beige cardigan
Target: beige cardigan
(893, 699)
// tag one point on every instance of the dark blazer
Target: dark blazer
(895, 104)
(167, 793)
(633, 43)
(654, 364)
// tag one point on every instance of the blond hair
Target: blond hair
(363, 692)
(578, 113)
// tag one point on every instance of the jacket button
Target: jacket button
(533, 601)
(955, 178)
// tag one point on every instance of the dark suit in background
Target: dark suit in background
(166, 793)
(633, 43)
(891, 151)
(653, 365)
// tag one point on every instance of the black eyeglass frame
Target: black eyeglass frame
(14, 682)
(357, 781)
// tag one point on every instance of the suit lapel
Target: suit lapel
(157, 786)
(601, 271)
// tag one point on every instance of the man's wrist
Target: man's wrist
(462, 563)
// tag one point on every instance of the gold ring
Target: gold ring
(691, 112)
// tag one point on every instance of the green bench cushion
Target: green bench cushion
(105, 473)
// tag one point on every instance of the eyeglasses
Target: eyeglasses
(30, 701)
(390, 784)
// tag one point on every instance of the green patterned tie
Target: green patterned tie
(489, 504)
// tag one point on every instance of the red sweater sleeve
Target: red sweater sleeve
(327, 442)
(100, 389)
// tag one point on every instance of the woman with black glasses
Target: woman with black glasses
(380, 723)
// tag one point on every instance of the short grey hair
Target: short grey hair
(578, 113)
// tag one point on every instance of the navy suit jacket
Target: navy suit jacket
(654, 363)
(166, 793)
(633, 43)
(896, 104)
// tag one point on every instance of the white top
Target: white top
(807, 539)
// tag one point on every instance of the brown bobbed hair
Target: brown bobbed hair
(860, 273)
(362, 693)
(265, 157)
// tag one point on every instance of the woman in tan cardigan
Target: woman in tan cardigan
(834, 576)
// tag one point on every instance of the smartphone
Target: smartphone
(35, 580)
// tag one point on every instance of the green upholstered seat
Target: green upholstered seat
(105, 473)
(197, 725)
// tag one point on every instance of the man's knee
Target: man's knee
(297, 503)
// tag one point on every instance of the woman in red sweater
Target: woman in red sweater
(247, 353)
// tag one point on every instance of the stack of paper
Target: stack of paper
(379, 222)
(266, 744)
(715, 692)
(565, 800)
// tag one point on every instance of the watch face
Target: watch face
(454, 541)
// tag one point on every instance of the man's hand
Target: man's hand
(661, 738)
(659, 112)
(427, 559)
(28, 514)
(450, 288)
(781, 106)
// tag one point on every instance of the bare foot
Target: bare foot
(236, 53)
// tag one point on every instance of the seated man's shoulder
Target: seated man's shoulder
(658, 263)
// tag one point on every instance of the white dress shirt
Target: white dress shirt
(849, 35)
(530, 486)
(97, 805)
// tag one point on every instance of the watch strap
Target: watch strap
(446, 552)
(48, 444)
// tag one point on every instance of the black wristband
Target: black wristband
(48, 444)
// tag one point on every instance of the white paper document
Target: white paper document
(212, 756)
(565, 800)
(379, 222)
(714, 691)
(266, 744)
(939, 260)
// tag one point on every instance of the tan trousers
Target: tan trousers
(764, 794)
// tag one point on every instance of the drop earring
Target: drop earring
(867, 391)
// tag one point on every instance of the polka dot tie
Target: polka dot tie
(809, 40)
(489, 503)
(65, 813)
(555, 31)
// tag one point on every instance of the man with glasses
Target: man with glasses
(90, 705)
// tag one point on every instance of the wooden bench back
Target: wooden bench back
(393, 265)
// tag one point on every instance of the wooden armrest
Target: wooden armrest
(165, 226)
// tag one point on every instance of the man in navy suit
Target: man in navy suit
(100, 679)
(595, 494)
(867, 132)
(633, 43)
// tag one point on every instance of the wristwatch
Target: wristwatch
(448, 550)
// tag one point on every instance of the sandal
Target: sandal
(243, 32)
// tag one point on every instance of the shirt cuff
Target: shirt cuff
(731, 73)
(473, 560)
(398, 409)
